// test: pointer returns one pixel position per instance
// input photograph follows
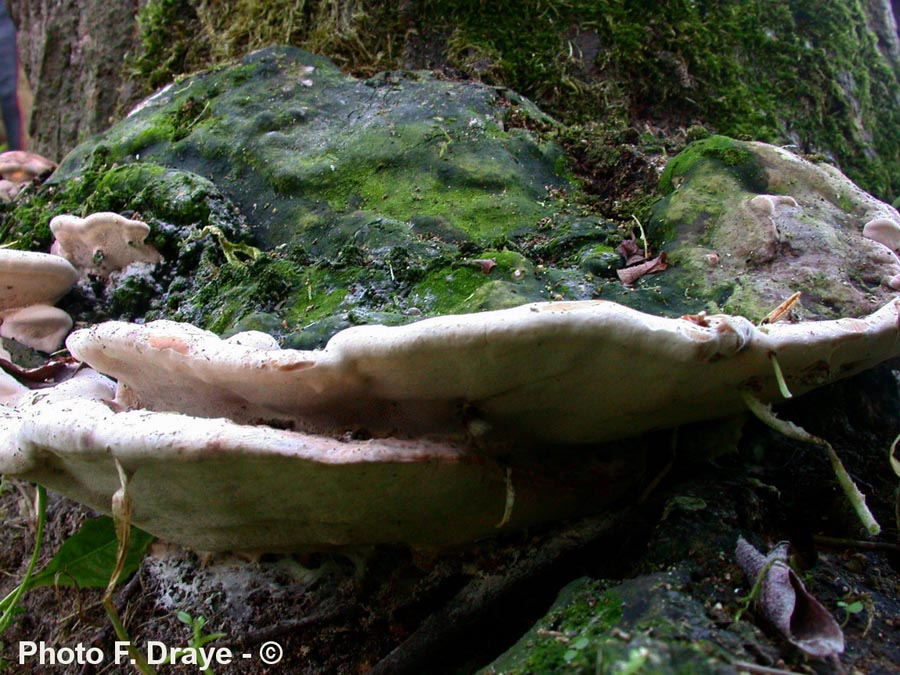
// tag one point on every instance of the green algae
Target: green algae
(382, 219)
(277, 141)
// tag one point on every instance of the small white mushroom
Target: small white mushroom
(29, 284)
(884, 230)
(29, 278)
(766, 204)
(41, 327)
(20, 166)
(102, 243)
(9, 189)
(761, 243)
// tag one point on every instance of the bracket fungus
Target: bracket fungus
(567, 372)
(29, 278)
(213, 484)
(18, 168)
(40, 327)
(238, 444)
(102, 243)
(29, 285)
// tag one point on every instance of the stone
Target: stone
(775, 224)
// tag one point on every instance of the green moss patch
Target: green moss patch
(647, 625)
(781, 72)
(746, 225)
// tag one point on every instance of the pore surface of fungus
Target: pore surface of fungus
(212, 484)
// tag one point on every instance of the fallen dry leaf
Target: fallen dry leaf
(786, 604)
(632, 253)
(53, 371)
(629, 275)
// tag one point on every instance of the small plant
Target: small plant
(9, 606)
(854, 604)
(575, 648)
(198, 639)
(850, 608)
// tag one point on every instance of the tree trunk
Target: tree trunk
(73, 52)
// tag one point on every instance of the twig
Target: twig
(764, 670)
(287, 627)
(855, 543)
(782, 310)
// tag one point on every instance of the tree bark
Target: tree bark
(73, 52)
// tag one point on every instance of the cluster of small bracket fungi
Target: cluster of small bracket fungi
(18, 169)
(99, 245)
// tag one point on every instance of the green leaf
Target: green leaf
(581, 643)
(852, 608)
(87, 559)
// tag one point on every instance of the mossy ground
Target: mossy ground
(627, 94)
(768, 70)
(439, 197)
(567, 638)
(647, 626)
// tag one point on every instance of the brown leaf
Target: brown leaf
(53, 371)
(485, 264)
(786, 603)
(632, 253)
(629, 275)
